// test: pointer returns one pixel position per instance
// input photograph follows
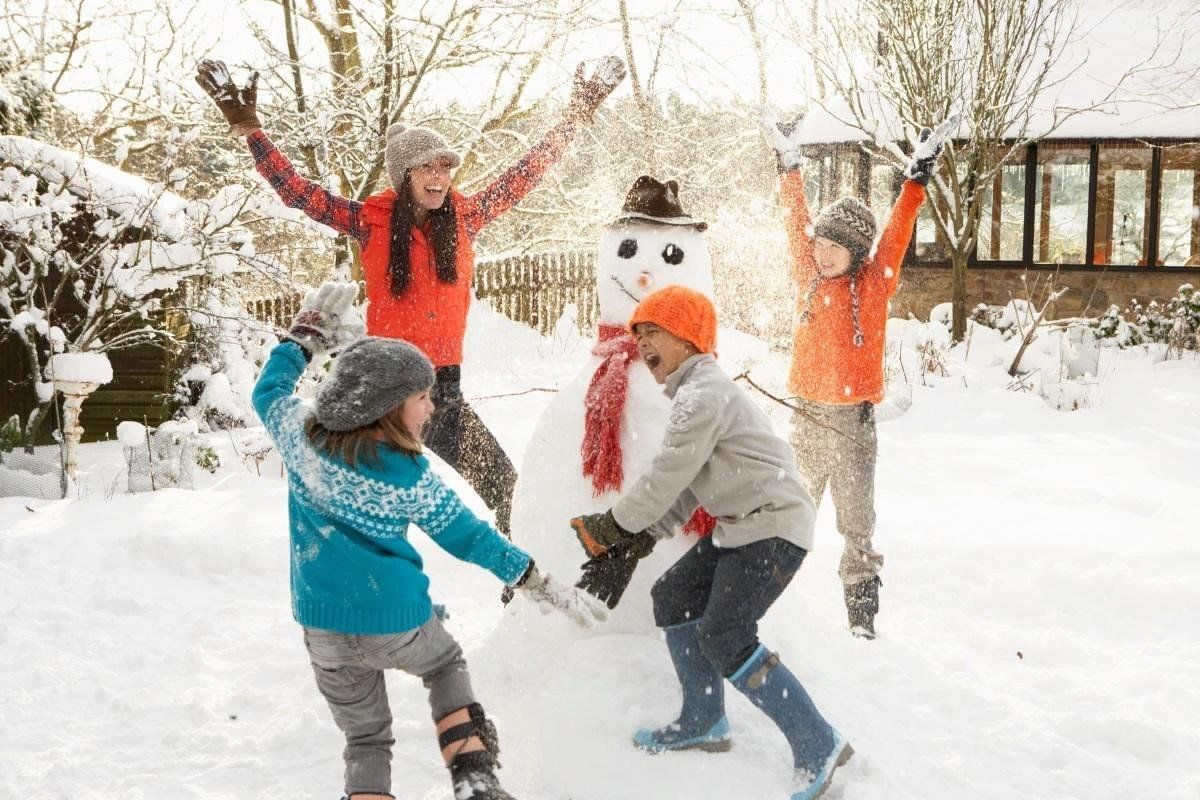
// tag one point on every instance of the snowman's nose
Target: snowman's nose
(645, 280)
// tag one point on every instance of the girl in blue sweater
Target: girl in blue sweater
(356, 480)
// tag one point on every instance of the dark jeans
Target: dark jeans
(460, 438)
(729, 591)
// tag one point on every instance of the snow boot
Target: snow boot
(862, 604)
(701, 724)
(817, 749)
(473, 774)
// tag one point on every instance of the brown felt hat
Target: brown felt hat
(656, 202)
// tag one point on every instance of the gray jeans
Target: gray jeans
(836, 446)
(349, 671)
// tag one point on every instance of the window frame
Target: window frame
(1152, 221)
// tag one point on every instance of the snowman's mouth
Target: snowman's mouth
(622, 287)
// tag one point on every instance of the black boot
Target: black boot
(473, 774)
(862, 604)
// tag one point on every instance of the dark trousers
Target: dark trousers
(459, 437)
(728, 590)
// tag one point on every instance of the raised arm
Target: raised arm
(784, 139)
(897, 233)
(520, 179)
(239, 105)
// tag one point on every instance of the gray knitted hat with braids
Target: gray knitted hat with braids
(848, 222)
(369, 379)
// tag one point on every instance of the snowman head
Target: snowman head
(652, 244)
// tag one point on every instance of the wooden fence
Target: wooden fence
(533, 289)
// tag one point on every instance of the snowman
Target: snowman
(603, 429)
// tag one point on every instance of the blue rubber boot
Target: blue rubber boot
(817, 749)
(701, 724)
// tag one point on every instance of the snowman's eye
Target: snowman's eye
(673, 254)
(628, 248)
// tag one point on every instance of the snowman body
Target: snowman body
(635, 258)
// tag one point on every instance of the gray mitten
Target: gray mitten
(327, 319)
(784, 139)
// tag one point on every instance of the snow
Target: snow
(81, 368)
(126, 195)
(1039, 635)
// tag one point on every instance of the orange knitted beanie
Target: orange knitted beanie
(684, 312)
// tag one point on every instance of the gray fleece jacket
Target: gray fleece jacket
(719, 452)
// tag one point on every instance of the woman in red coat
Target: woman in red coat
(417, 244)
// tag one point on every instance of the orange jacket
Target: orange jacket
(431, 314)
(827, 367)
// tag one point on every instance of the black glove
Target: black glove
(922, 166)
(607, 576)
(598, 532)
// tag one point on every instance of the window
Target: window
(1060, 216)
(1002, 218)
(1122, 205)
(883, 192)
(1179, 209)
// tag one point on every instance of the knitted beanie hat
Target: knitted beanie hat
(848, 222)
(685, 312)
(369, 379)
(411, 147)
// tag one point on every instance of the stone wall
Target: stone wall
(1092, 290)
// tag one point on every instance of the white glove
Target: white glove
(327, 319)
(784, 139)
(550, 595)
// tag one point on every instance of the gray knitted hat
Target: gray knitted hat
(848, 222)
(411, 147)
(369, 379)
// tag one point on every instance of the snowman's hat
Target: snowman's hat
(657, 203)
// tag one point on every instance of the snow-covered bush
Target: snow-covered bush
(24, 98)
(10, 435)
(90, 257)
(1175, 323)
(207, 458)
(222, 357)
(1113, 329)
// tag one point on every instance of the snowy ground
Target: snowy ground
(1040, 636)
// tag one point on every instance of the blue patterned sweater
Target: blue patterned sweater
(353, 567)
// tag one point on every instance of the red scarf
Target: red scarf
(603, 405)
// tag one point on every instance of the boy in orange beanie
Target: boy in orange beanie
(719, 452)
(837, 356)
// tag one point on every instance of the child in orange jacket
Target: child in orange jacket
(837, 355)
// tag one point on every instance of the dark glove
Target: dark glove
(598, 532)
(238, 105)
(588, 94)
(929, 150)
(920, 169)
(607, 576)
